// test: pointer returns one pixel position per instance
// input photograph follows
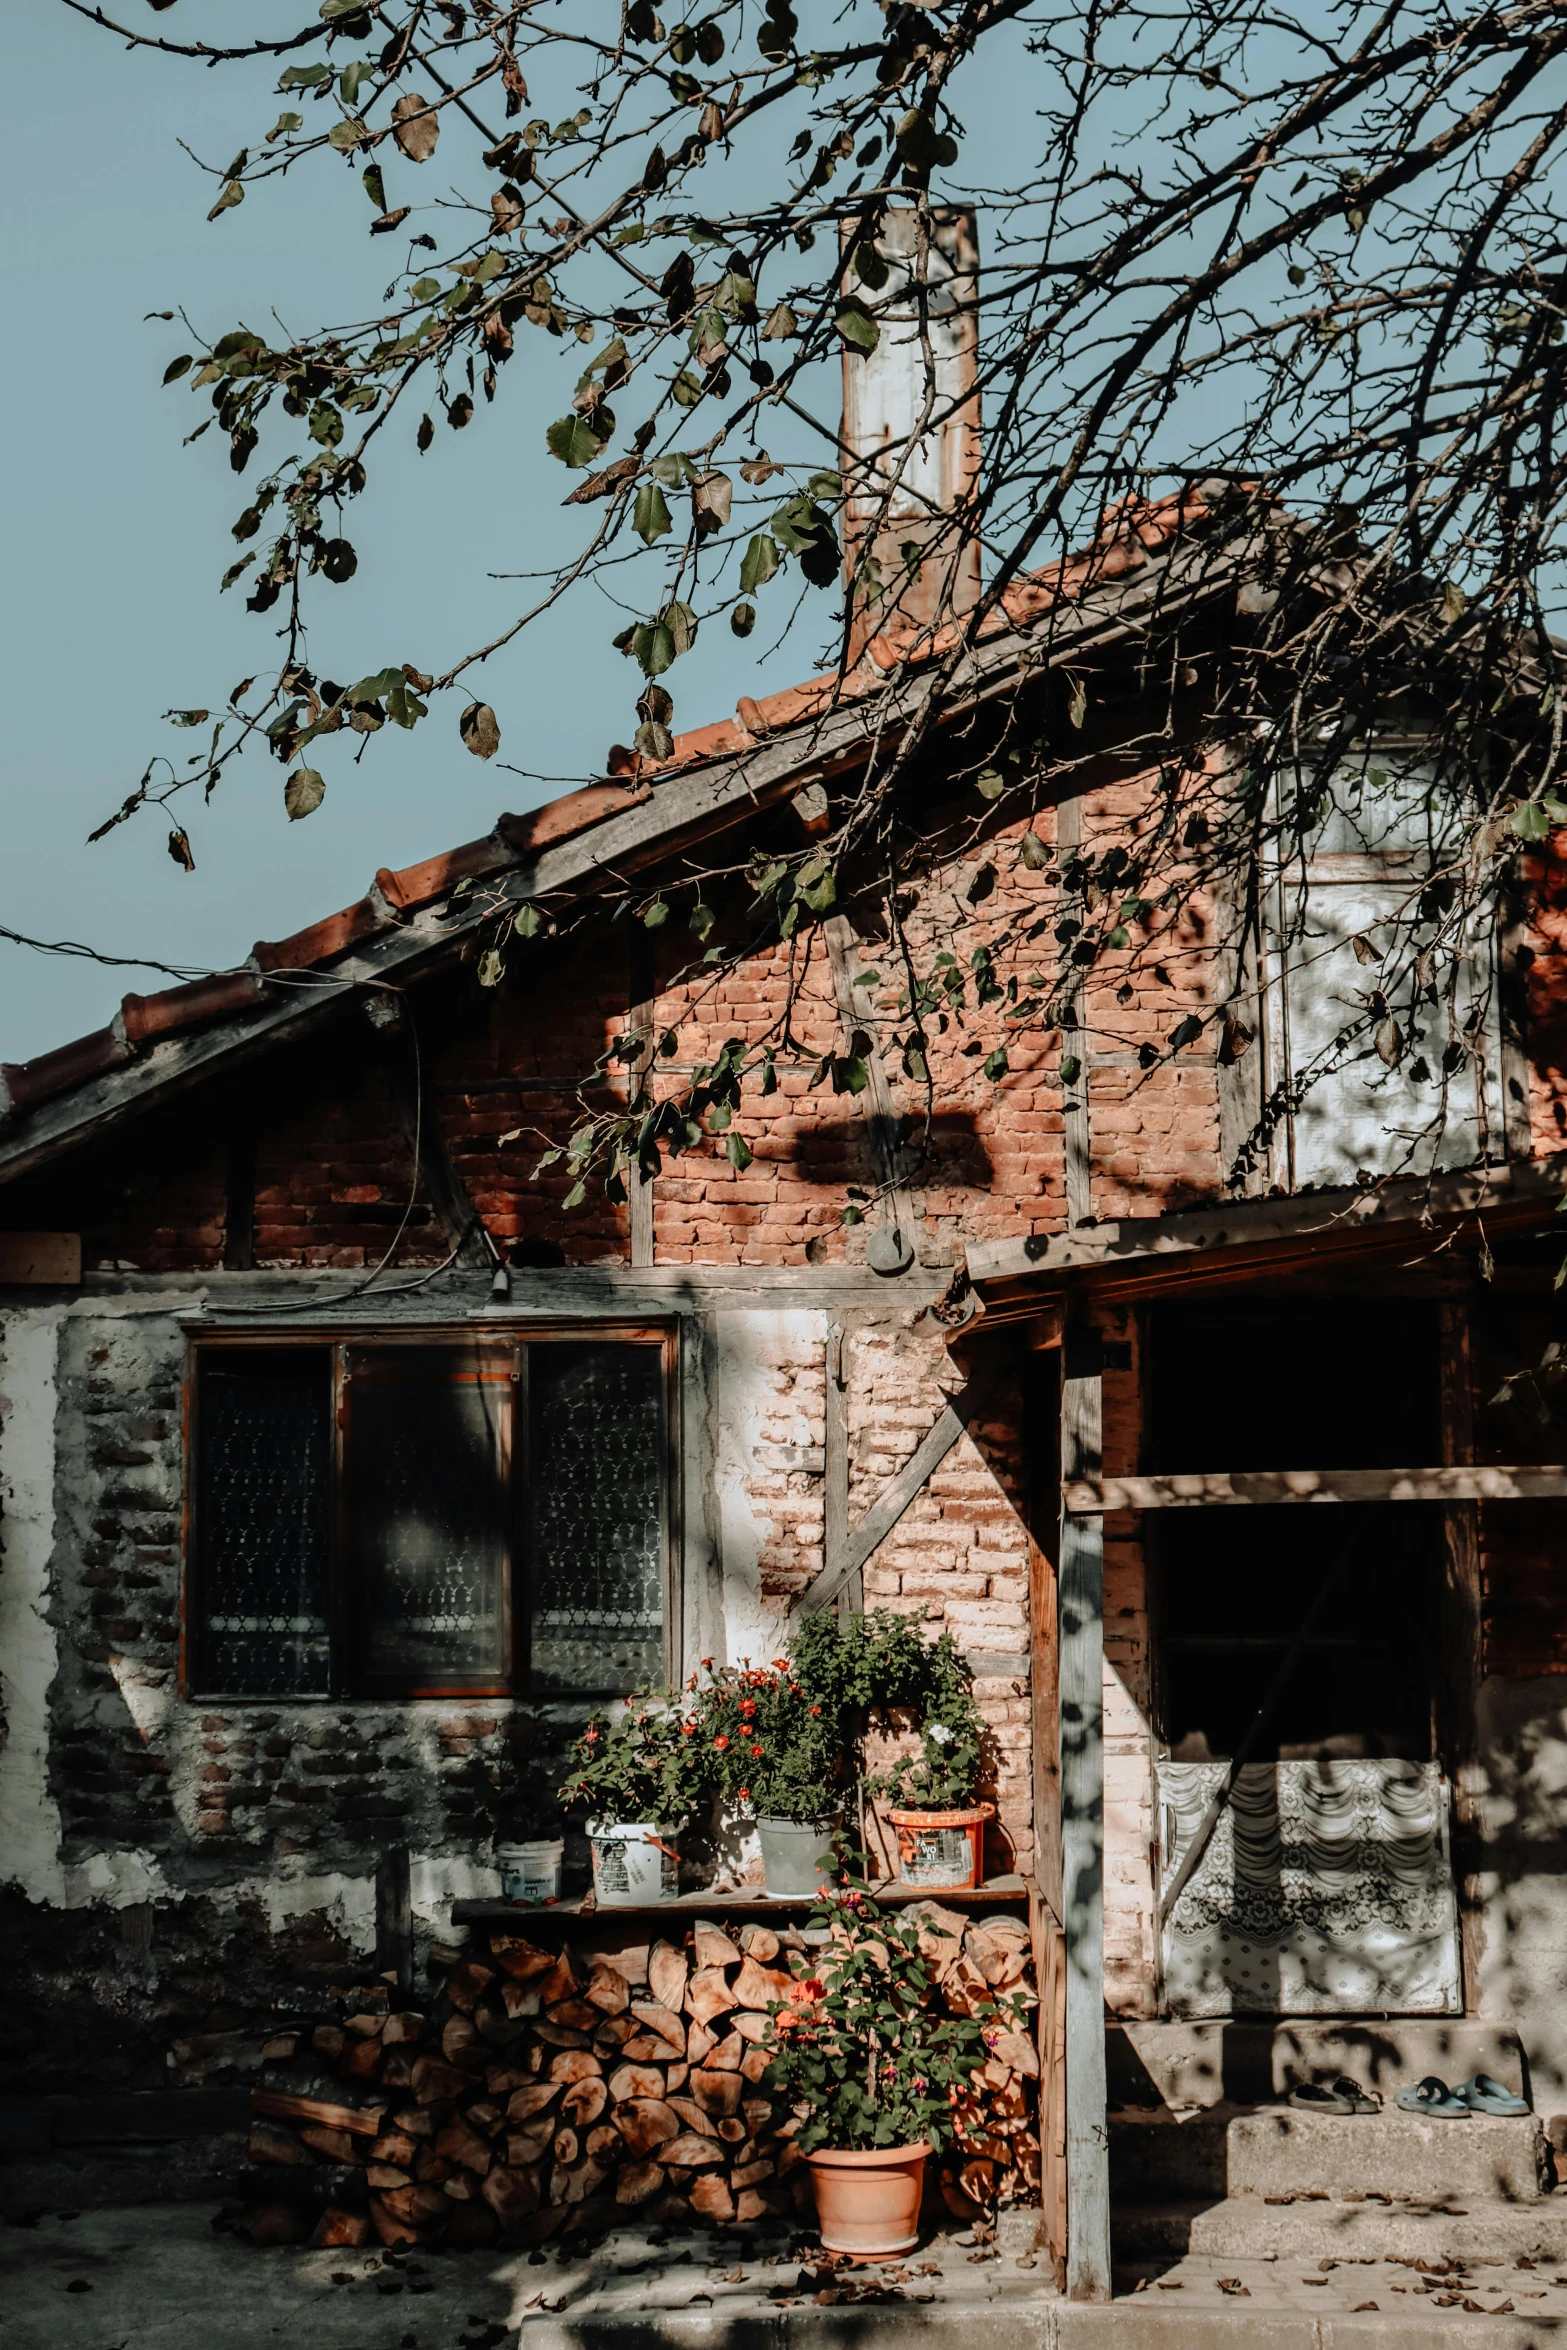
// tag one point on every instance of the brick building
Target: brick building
(288, 1309)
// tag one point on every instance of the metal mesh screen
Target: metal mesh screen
(597, 1471)
(428, 1516)
(263, 1519)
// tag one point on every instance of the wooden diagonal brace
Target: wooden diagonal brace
(895, 1498)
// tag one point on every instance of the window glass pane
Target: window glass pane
(428, 1515)
(596, 1474)
(1388, 799)
(263, 1521)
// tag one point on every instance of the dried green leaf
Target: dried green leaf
(415, 128)
(479, 730)
(303, 793)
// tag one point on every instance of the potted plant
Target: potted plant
(874, 2069)
(639, 1775)
(939, 1824)
(775, 1748)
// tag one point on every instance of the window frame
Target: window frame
(348, 1681)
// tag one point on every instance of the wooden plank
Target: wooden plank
(1041, 1434)
(835, 1469)
(394, 1916)
(1080, 1650)
(1076, 1103)
(642, 989)
(1462, 1663)
(878, 1521)
(41, 1260)
(1259, 1488)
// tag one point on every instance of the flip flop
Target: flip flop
(1316, 2097)
(1358, 2100)
(1485, 2094)
(1434, 2097)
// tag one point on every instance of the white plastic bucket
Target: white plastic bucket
(634, 1863)
(530, 1871)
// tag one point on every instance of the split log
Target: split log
(393, 2232)
(754, 2063)
(434, 2082)
(732, 2130)
(564, 1980)
(531, 2142)
(700, 2042)
(636, 2080)
(402, 2029)
(461, 2045)
(667, 1970)
(414, 2204)
(662, 2022)
(708, 1995)
(281, 2107)
(567, 2147)
(647, 2048)
(750, 2174)
(751, 2026)
(502, 2079)
(760, 1943)
(578, 2015)
(608, 1991)
(360, 2060)
(712, 2199)
(518, 1999)
(603, 2143)
(676, 2077)
(366, 2027)
(513, 2195)
(482, 2115)
(341, 2230)
(520, 1959)
(584, 2101)
(757, 2113)
(466, 1981)
(458, 2188)
(646, 2122)
(758, 1986)
(270, 2142)
(387, 2174)
(328, 2040)
(574, 2064)
(560, 2035)
(615, 2031)
(711, 1946)
(1017, 2050)
(395, 2146)
(690, 2152)
(751, 2205)
(725, 2055)
(397, 2068)
(638, 2181)
(336, 2145)
(416, 2120)
(432, 2169)
(692, 2116)
(717, 2093)
(458, 2143)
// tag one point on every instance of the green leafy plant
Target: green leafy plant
(953, 1739)
(648, 1764)
(772, 1742)
(865, 2053)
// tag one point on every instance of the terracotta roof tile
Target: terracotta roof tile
(334, 935)
(27, 1083)
(144, 1018)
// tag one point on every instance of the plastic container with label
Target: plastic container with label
(530, 1871)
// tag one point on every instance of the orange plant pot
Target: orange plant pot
(868, 2204)
(942, 1851)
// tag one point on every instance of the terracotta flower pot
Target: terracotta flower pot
(868, 2203)
(941, 1850)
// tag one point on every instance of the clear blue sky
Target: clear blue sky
(116, 538)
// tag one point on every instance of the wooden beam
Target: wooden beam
(1080, 1649)
(878, 1521)
(642, 989)
(835, 1469)
(1076, 1106)
(1217, 1489)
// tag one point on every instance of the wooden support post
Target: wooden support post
(850, 1588)
(394, 1950)
(642, 990)
(1078, 1143)
(1463, 1664)
(1080, 1652)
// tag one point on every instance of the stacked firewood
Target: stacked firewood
(549, 2091)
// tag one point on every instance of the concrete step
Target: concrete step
(1235, 2062)
(1279, 2150)
(1246, 2228)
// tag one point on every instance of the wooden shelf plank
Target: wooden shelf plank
(1002, 1892)
(1221, 1489)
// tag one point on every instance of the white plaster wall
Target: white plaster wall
(762, 1358)
(29, 1655)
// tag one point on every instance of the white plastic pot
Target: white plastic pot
(530, 1871)
(797, 1855)
(634, 1863)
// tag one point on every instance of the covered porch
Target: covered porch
(1302, 1765)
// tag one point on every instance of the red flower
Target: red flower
(720, 1743)
(756, 1754)
(745, 1795)
(816, 1709)
(688, 1729)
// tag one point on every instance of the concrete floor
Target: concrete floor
(159, 2277)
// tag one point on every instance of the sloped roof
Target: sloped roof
(1148, 558)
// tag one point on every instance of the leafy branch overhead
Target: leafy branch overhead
(1300, 289)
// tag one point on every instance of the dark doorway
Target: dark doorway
(1283, 1384)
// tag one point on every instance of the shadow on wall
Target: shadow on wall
(1520, 1858)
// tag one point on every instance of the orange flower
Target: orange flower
(745, 1795)
(756, 1754)
(720, 1743)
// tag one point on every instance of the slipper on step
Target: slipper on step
(1485, 2094)
(1434, 2097)
(1317, 2097)
(1358, 2099)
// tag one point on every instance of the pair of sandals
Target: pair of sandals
(1483, 2094)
